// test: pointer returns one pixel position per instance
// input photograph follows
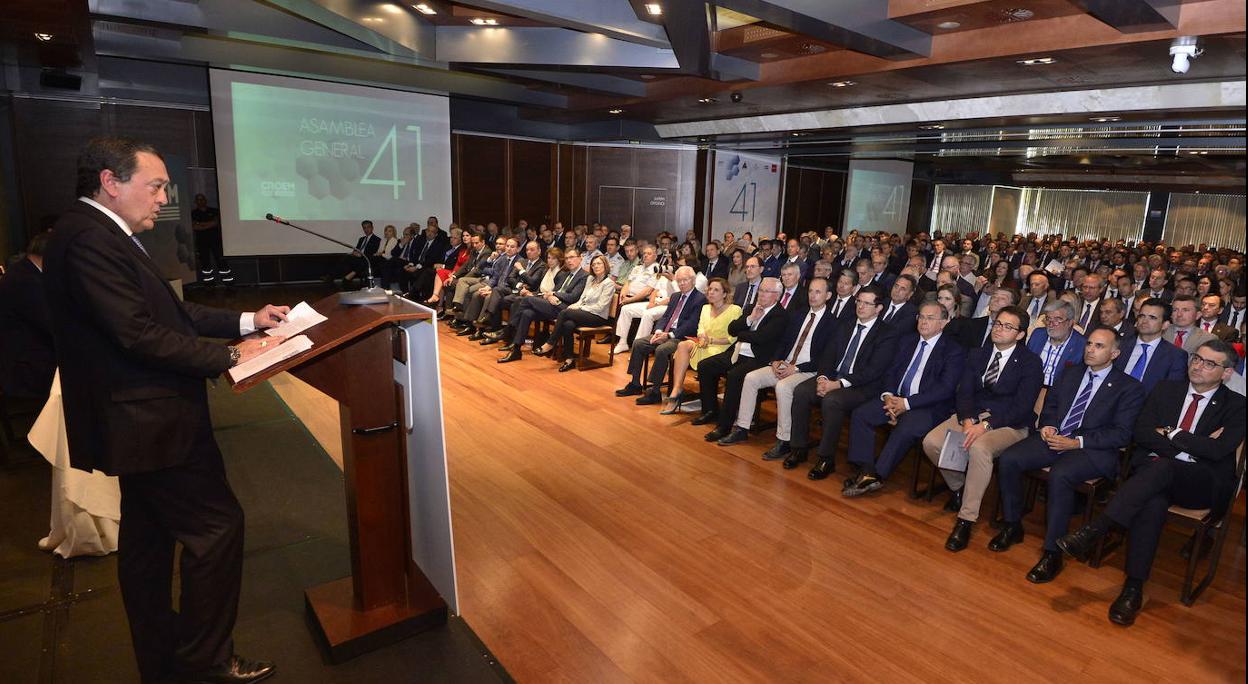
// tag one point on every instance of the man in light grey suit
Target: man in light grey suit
(1183, 331)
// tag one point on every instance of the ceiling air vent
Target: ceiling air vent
(1017, 14)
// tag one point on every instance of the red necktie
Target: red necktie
(1178, 338)
(671, 323)
(784, 303)
(1190, 415)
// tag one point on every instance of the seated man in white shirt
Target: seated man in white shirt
(637, 300)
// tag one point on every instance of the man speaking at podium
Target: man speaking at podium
(133, 365)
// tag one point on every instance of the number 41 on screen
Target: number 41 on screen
(391, 143)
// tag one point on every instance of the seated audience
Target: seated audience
(592, 309)
(679, 320)
(712, 338)
(569, 284)
(1057, 344)
(1145, 355)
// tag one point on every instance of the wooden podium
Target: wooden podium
(380, 362)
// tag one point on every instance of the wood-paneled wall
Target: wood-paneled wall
(505, 180)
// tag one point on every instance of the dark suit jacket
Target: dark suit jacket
(1072, 355)
(1217, 454)
(572, 292)
(821, 335)
(764, 339)
(940, 376)
(438, 247)
(1108, 420)
(969, 331)
(1094, 318)
(27, 360)
(131, 355)
(1012, 399)
(1167, 361)
(885, 280)
(368, 244)
(1226, 317)
(720, 270)
(903, 321)
(875, 352)
(530, 277)
(738, 295)
(687, 323)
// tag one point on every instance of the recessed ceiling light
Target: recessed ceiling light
(931, 127)
(424, 8)
(702, 139)
(615, 111)
(1106, 119)
(392, 8)
(479, 21)
(654, 9)
(43, 37)
(769, 55)
(842, 84)
(949, 25)
(1035, 61)
(707, 100)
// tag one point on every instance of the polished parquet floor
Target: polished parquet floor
(598, 541)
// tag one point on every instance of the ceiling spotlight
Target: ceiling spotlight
(43, 37)
(1037, 61)
(949, 25)
(392, 8)
(842, 84)
(931, 127)
(1182, 51)
(480, 21)
(1106, 119)
(707, 100)
(424, 8)
(654, 9)
(615, 111)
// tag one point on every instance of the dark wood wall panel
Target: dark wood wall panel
(482, 179)
(530, 184)
(565, 183)
(813, 200)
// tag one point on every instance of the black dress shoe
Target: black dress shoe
(855, 472)
(776, 452)
(513, 355)
(960, 536)
(706, 418)
(508, 347)
(649, 398)
(1080, 543)
(1010, 534)
(1048, 567)
(954, 504)
(567, 365)
(1124, 608)
(714, 435)
(466, 331)
(737, 436)
(237, 670)
(796, 457)
(486, 340)
(865, 483)
(632, 389)
(822, 469)
(476, 336)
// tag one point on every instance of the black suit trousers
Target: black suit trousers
(734, 379)
(1066, 471)
(835, 406)
(190, 503)
(1142, 501)
(528, 310)
(662, 357)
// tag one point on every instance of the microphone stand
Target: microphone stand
(368, 295)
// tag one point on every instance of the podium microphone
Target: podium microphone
(368, 295)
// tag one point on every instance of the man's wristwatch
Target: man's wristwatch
(235, 354)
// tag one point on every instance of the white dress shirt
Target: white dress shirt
(862, 339)
(743, 348)
(1200, 411)
(803, 353)
(1005, 358)
(917, 381)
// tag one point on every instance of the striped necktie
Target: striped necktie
(994, 370)
(1074, 417)
(140, 245)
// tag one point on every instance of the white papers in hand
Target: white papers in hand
(283, 351)
(952, 455)
(300, 318)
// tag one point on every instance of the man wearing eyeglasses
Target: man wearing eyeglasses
(1057, 344)
(993, 410)
(1086, 419)
(850, 370)
(1185, 438)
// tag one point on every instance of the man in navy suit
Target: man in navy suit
(569, 283)
(1088, 416)
(1146, 356)
(794, 360)
(679, 321)
(851, 368)
(746, 294)
(353, 265)
(899, 313)
(1057, 344)
(918, 394)
(993, 410)
(465, 322)
(716, 265)
(1185, 439)
(977, 332)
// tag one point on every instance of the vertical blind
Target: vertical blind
(1083, 214)
(961, 208)
(1215, 220)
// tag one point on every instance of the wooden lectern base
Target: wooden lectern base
(345, 632)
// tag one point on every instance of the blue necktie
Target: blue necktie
(1075, 416)
(141, 247)
(1137, 371)
(848, 361)
(913, 370)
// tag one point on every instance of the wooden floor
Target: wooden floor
(598, 541)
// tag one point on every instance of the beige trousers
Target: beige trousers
(985, 450)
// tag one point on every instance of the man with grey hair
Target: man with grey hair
(679, 321)
(1057, 344)
(793, 297)
(1091, 291)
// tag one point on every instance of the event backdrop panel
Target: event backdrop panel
(325, 156)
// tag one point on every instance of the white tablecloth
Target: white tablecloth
(86, 507)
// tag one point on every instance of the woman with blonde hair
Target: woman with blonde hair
(712, 339)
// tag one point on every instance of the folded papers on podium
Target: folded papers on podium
(295, 345)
